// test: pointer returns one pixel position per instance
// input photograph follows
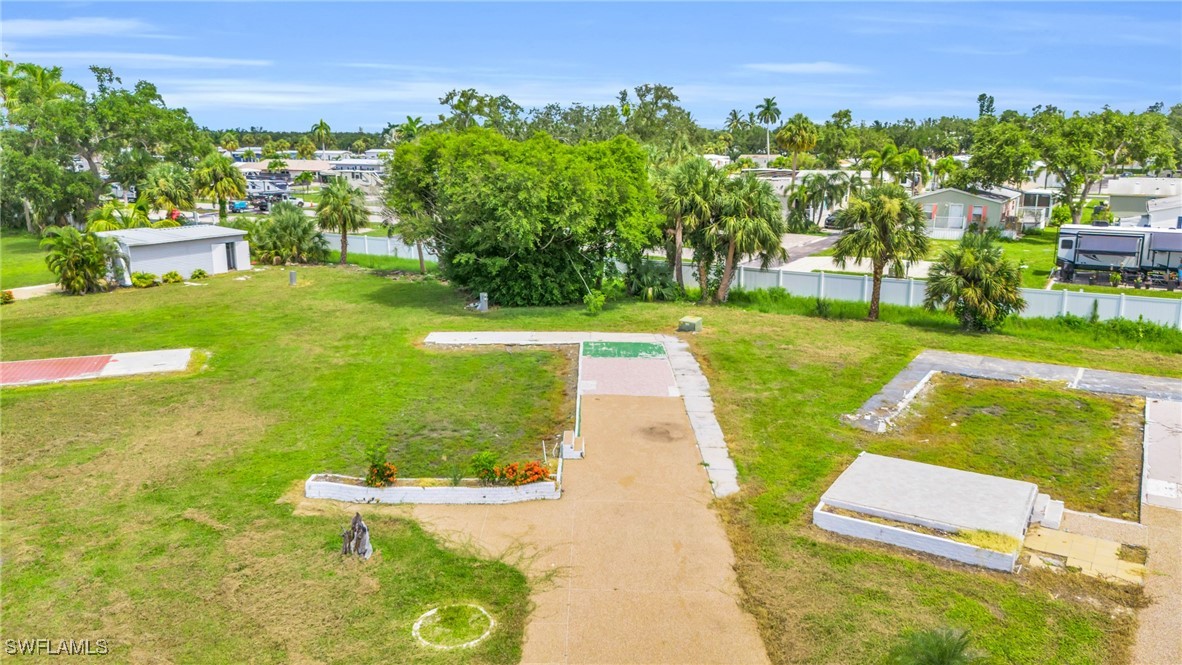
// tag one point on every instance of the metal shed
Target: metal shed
(214, 249)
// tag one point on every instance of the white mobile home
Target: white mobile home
(214, 249)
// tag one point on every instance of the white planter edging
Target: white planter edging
(921, 542)
(318, 487)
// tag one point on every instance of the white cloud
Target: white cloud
(819, 67)
(422, 94)
(135, 60)
(81, 26)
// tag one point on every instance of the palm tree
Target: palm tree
(885, 227)
(933, 647)
(169, 187)
(342, 209)
(287, 235)
(277, 164)
(305, 178)
(114, 215)
(229, 141)
(321, 132)
(767, 113)
(974, 282)
(411, 128)
(248, 156)
(81, 261)
(944, 168)
(915, 164)
(888, 160)
(751, 224)
(798, 135)
(734, 122)
(216, 176)
(687, 193)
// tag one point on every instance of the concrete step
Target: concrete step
(1053, 516)
(572, 447)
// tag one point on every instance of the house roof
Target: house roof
(138, 237)
(292, 165)
(1150, 187)
(998, 194)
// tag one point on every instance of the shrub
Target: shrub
(1114, 278)
(1060, 215)
(199, 274)
(81, 261)
(172, 277)
(6, 297)
(521, 473)
(143, 280)
(651, 281)
(381, 474)
(484, 465)
(973, 282)
(287, 235)
(933, 647)
(594, 301)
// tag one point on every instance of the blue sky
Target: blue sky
(285, 65)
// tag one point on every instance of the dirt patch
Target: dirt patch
(660, 433)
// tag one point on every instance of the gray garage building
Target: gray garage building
(214, 249)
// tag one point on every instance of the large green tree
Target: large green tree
(169, 187)
(885, 227)
(322, 133)
(836, 140)
(797, 135)
(768, 113)
(525, 221)
(1001, 152)
(342, 209)
(217, 177)
(751, 224)
(887, 160)
(689, 194)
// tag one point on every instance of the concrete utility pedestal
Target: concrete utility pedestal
(690, 324)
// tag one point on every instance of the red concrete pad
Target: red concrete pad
(18, 372)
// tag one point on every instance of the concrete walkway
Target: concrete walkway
(52, 370)
(26, 292)
(631, 565)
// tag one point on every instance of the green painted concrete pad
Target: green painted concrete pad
(623, 350)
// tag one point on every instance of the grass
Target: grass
(146, 510)
(384, 263)
(998, 542)
(453, 625)
(1079, 447)
(1127, 290)
(22, 261)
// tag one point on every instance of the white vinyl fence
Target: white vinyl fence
(378, 245)
(910, 293)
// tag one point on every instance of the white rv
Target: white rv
(1140, 248)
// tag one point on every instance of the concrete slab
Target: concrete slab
(933, 496)
(51, 370)
(1161, 483)
(640, 376)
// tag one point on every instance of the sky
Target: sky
(284, 66)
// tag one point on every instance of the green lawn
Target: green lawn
(148, 511)
(1079, 447)
(378, 262)
(1127, 290)
(22, 261)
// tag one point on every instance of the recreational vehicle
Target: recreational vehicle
(1137, 248)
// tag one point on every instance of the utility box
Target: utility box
(483, 304)
(690, 324)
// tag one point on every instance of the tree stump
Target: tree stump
(356, 538)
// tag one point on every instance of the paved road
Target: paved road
(799, 246)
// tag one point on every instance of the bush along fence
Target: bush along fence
(378, 245)
(910, 293)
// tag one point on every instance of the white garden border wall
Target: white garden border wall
(920, 542)
(319, 486)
